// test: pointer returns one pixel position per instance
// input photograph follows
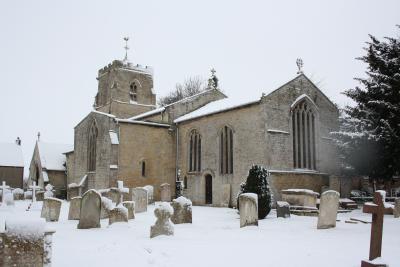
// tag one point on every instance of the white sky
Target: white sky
(51, 51)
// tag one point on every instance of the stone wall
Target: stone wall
(13, 176)
(151, 144)
(104, 155)
(248, 137)
(58, 180)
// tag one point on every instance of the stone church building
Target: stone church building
(208, 140)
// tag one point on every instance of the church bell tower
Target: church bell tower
(125, 89)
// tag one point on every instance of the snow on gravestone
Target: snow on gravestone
(18, 194)
(163, 225)
(106, 206)
(48, 191)
(182, 210)
(130, 205)
(114, 195)
(248, 208)
(139, 195)
(118, 214)
(74, 208)
(51, 209)
(150, 193)
(328, 208)
(90, 210)
(396, 211)
(8, 198)
(165, 192)
(25, 242)
(282, 209)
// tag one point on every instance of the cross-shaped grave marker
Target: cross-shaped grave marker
(378, 210)
(121, 190)
(3, 188)
(34, 187)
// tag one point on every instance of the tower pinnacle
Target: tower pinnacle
(299, 63)
(126, 39)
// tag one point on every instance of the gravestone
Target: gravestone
(106, 206)
(139, 195)
(150, 193)
(300, 197)
(328, 208)
(377, 209)
(74, 208)
(226, 195)
(248, 208)
(118, 214)
(8, 198)
(114, 195)
(51, 209)
(165, 192)
(396, 211)
(282, 209)
(130, 205)
(34, 188)
(182, 210)
(4, 188)
(18, 194)
(163, 225)
(123, 191)
(29, 236)
(39, 195)
(90, 210)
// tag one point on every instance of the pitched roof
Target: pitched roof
(221, 105)
(52, 155)
(11, 155)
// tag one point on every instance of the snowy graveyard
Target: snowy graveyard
(214, 238)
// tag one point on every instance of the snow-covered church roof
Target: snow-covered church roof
(11, 155)
(51, 155)
(218, 106)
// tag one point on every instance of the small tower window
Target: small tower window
(133, 91)
(185, 184)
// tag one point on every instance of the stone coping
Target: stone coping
(300, 192)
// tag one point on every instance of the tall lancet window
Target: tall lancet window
(194, 151)
(303, 129)
(92, 140)
(226, 150)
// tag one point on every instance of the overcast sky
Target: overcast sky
(51, 51)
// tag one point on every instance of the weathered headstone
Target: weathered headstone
(18, 194)
(150, 193)
(378, 210)
(163, 225)
(106, 206)
(39, 195)
(248, 208)
(139, 195)
(328, 208)
(74, 208)
(396, 211)
(130, 205)
(282, 209)
(28, 236)
(165, 192)
(4, 188)
(51, 209)
(114, 195)
(226, 195)
(118, 214)
(182, 210)
(90, 210)
(8, 198)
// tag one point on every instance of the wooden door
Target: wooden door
(208, 189)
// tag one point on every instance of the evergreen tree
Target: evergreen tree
(257, 183)
(369, 137)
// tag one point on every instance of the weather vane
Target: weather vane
(126, 48)
(299, 63)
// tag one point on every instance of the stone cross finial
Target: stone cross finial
(378, 210)
(38, 136)
(3, 188)
(299, 63)
(213, 80)
(126, 39)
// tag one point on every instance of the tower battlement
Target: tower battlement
(119, 64)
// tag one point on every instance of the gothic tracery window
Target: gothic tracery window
(92, 140)
(194, 151)
(303, 129)
(226, 150)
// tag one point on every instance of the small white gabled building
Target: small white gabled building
(48, 166)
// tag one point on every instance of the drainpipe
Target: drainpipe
(177, 154)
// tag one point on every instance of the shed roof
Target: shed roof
(11, 155)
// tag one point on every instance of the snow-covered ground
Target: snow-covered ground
(215, 239)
